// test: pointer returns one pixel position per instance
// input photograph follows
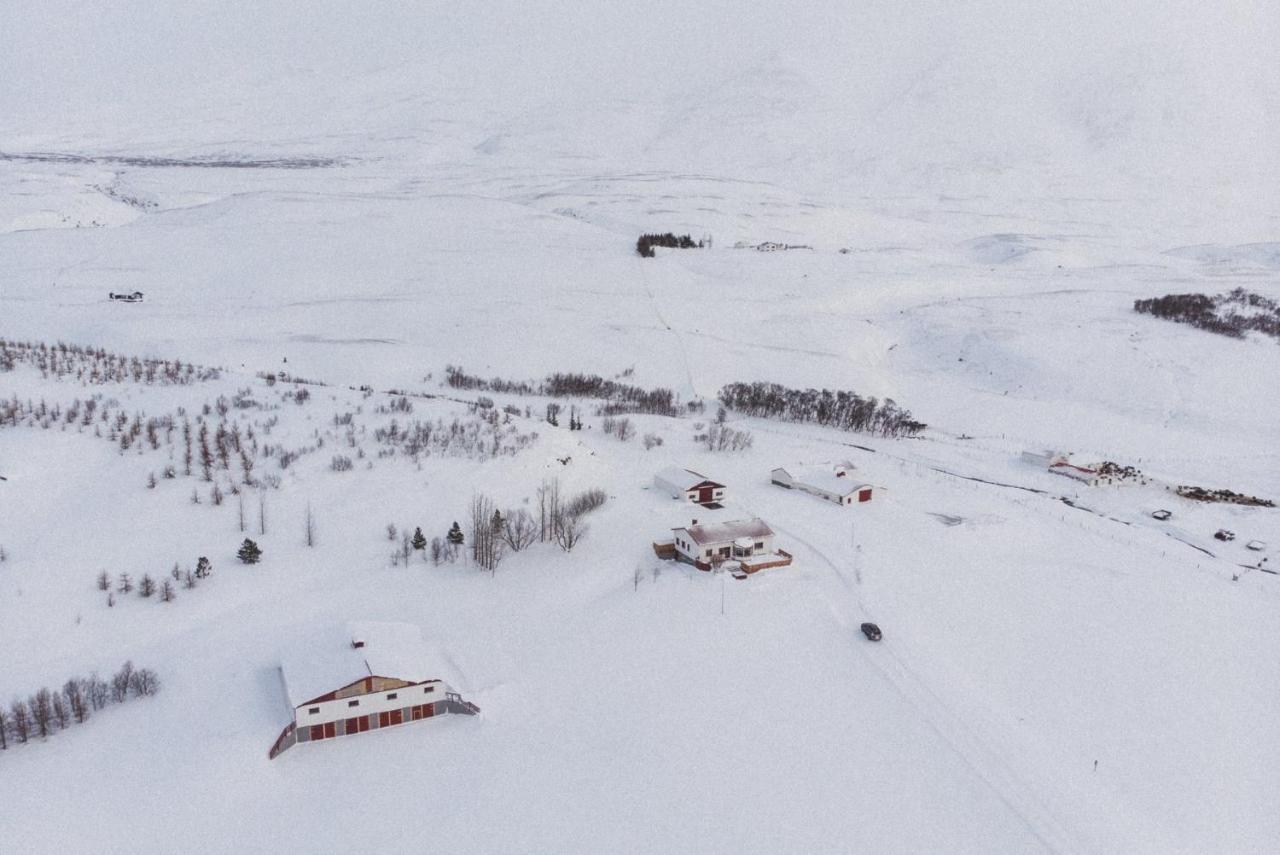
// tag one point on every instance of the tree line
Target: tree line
(623, 397)
(1232, 314)
(95, 365)
(45, 712)
(646, 243)
(839, 409)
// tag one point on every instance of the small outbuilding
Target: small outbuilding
(360, 677)
(833, 483)
(688, 486)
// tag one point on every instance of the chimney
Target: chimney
(695, 522)
(357, 643)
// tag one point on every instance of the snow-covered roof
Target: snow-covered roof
(825, 479)
(727, 532)
(682, 479)
(326, 661)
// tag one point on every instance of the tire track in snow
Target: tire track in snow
(653, 303)
(950, 728)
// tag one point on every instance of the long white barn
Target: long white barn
(834, 484)
(361, 677)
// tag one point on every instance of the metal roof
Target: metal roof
(726, 532)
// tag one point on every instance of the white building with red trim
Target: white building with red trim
(360, 677)
(688, 486)
(836, 483)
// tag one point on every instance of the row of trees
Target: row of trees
(844, 410)
(97, 366)
(45, 712)
(146, 586)
(618, 397)
(1232, 314)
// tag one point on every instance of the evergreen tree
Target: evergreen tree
(203, 567)
(419, 539)
(147, 586)
(249, 552)
(454, 536)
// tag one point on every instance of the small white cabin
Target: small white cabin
(688, 486)
(833, 483)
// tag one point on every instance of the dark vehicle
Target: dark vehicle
(871, 631)
(1224, 535)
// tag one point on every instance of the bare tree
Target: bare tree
(147, 586)
(262, 512)
(189, 580)
(97, 691)
(518, 529)
(437, 550)
(74, 693)
(548, 508)
(167, 592)
(240, 508)
(41, 704)
(120, 683)
(126, 584)
(486, 532)
(104, 581)
(4, 728)
(406, 547)
(144, 682)
(61, 711)
(391, 532)
(20, 720)
(569, 531)
(310, 527)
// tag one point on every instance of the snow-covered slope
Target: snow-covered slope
(364, 197)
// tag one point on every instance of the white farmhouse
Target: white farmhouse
(835, 484)
(362, 677)
(688, 486)
(749, 542)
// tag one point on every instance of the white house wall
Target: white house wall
(371, 704)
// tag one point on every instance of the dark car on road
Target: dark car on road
(871, 631)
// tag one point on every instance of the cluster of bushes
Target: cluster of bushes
(621, 428)
(490, 434)
(97, 366)
(1201, 494)
(844, 410)
(721, 437)
(646, 243)
(1232, 314)
(621, 397)
(45, 712)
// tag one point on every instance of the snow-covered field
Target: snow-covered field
(364, 205)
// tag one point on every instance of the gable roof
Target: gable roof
(824, 478)
(327, 660)
(726, 532)
(683, 479)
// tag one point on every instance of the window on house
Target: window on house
(313, 710)
(391, 697)
(428, 690)
(353, 703)
(759, 544)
